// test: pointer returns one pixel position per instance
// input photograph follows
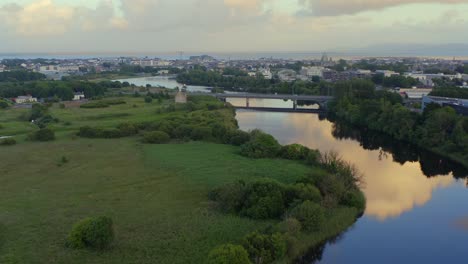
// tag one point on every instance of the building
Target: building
(181, 97)
(287, 75)
(416, 93)
(460, 105)
(25, 99)
(78, 96)
(313, 71)
(266, 74)
(387, 73)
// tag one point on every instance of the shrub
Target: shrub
(111, 133)
(332, 188)
(355, 199)
(238, 138)
(264, 199)
(7, 142)
(90, 132)
(62, 106)
(94, 233)
(313, 157)
(43, 134)
(311, 215)
(230, 197)
(290, 226)
(156, 137)
(261, 145)
(127, 129)
(228, 254)
(148, 99)
(265, 248)
(201, 133)
(182, 131)
(96, 104)
(3, 104)
(114, 101)
(294, 152)
(1, 126)
(304, 192)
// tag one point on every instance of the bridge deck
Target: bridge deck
(269, 96)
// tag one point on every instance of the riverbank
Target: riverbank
(157, 195)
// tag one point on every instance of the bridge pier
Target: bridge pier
(294, 104)
(247, 102)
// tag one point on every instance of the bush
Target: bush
(3, 104)
(201, 133)
(311, 215)
(43, 134)
(332, 188)
(238, 138)
(294, 152)
(228, 254)
(156, 137)
(7, 142)
(230, 197)
(111, 133)
(264, 199)
(127, 129)
(148, 99)
(261, 145)
(182, 131)
(114, 101)
(290, 226)
(304, 192)
(265, 248)
(96, 104)
(94, 233)
(90, 132)
(355, 199)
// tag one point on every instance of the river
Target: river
(417, 208)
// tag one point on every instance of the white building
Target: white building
(25, 99)
(287, 75)
(78, 96)
(266, 74)
(313, 71)
(387, 73)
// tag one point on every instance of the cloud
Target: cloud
(347, 7)
(47, 18)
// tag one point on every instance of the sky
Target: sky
(28, 26)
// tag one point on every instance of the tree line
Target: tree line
(439, 129)
(63, 90)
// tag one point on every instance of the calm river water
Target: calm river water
(417, 203)
(417, 210)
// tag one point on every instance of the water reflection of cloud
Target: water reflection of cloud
(391, 189)
(462, 223)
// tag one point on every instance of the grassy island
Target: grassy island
(164, 200)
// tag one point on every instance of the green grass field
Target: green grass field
(155, 194)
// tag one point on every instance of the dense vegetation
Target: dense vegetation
(167, 181)
(438, 129)
(256, 84)
(303, 205)
(20, 76)
(452, 92)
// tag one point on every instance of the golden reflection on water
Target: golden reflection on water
(391, 189)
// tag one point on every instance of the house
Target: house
(78, 96)
(25, 99)
(181, 97)
(163, 72)
(313, 71)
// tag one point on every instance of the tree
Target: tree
(263, 248)
(261, 145)
(228, 254)
(311, 215)
(95, 233)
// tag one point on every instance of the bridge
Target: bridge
(319, 99)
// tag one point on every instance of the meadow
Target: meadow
(157, 195)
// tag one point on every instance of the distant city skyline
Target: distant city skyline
(65, 26)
